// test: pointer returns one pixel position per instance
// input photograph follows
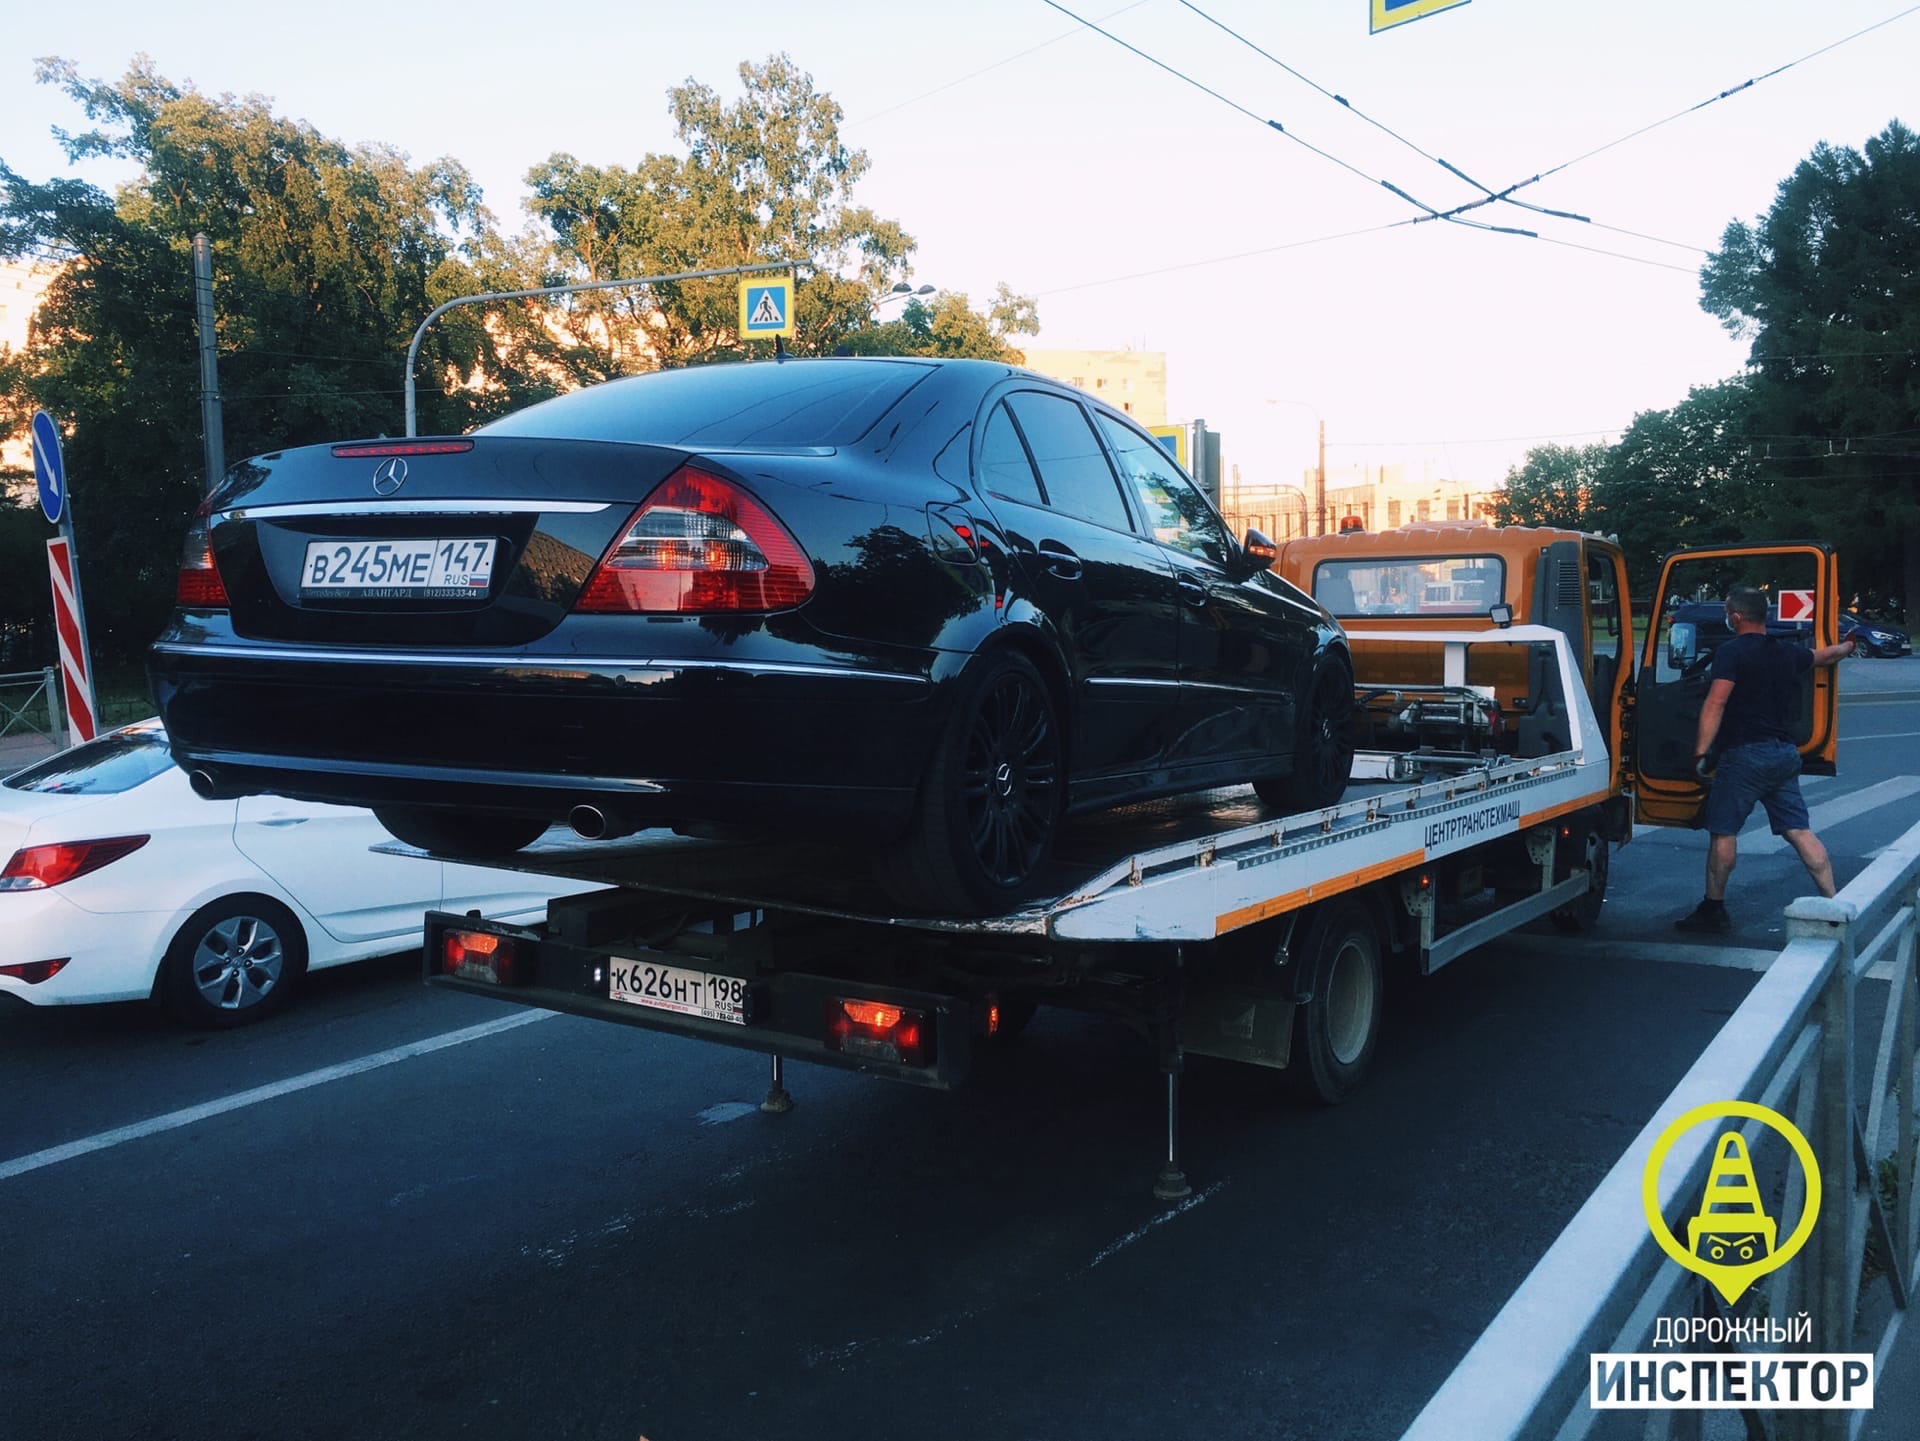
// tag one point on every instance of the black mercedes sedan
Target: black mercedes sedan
(931, 606)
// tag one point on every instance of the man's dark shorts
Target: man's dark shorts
(1767, 772)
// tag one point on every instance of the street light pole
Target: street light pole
(413, 349)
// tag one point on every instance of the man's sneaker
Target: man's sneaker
(1706, 919)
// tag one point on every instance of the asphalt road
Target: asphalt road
(556, 1228)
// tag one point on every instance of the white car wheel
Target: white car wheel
(234, 961)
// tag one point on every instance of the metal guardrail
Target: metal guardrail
(38, 685)
(1791, 1048)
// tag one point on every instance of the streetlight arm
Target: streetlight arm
(413, 348)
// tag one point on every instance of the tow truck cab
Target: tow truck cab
(1440, 576)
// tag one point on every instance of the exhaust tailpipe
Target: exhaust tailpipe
(203, 785)
(594, 824)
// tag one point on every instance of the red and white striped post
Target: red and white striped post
(76, 679)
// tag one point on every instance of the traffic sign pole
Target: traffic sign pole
(63, 564)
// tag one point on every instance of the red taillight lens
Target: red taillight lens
(200, 586)
(699, 544)
(34, 972)
(482, 956)
(35, 868)
(880, 1031)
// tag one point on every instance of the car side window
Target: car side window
(1005, 469)
(1073, 467)
(1177, 514)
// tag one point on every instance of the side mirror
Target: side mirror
(1261, 553)
(1501, 615)
(1683, 645)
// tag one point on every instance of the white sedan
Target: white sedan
(122, 884)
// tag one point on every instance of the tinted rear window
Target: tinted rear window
(102, 767)
(795, 402)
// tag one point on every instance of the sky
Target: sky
(1017, 145)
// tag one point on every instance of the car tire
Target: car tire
(463, 835)
(1323, 745)
(1336, 1029)
(1584, 847)
(236, 960)
(991, 799)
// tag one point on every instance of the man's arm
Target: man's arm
(1833, 654)
(1711, 710)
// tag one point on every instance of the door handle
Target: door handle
(1192, 590)
(1060, 561)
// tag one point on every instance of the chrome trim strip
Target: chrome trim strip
(1124, 680)
(1104, 680)
(602, 665)
(414, 507)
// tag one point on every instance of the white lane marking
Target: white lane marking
(1731, 958)
(726, 1111)
(1159, 1220)
(1888, 736)
(174, 1120)
(1833, 812)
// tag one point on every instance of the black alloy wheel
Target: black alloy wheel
(1587, 848)
(463, 835)
(991, 799)
(1323, 750)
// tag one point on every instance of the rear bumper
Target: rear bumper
(664, 741)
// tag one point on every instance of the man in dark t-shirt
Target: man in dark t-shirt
(1749, 713)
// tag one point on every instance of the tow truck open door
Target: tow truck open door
(1684, 628)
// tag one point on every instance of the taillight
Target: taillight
(34, 972)
(35, 868)
(482, 956)
(880, 1031)
(696, 545)
(200, 586)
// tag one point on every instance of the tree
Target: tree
(1553, 487)
(325, 258)
(1827, 285)
(1684, 477)
(764, 178)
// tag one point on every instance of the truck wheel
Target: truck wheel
(1323, 745)
(1337, 1027)
(1585, 847)
(464, 835)
(235, 961)
(991, 798)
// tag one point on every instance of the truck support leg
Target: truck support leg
(778, 1102)
(1171, 1184)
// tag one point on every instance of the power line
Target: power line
(976, 74)
(1221, 259)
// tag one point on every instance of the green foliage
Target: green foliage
(763, 178)
(1827, 286)
(1553, 487)
(1680, 478)
(325, 257)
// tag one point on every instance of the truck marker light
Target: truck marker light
(481, 956)
(879, 1031)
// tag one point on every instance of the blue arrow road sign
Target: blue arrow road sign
(49, 471)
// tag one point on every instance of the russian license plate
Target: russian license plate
(669, 988)
(425, 569)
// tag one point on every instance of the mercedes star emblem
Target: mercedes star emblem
(389, 476)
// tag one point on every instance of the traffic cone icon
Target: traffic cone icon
(1732, 1227)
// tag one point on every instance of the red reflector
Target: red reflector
(35, 868)
(880, 1032)
(402, 447)
(699, 544)
(34, 972)
(482, 956)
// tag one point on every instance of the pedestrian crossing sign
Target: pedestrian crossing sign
(766, 307)
(1388, 13)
